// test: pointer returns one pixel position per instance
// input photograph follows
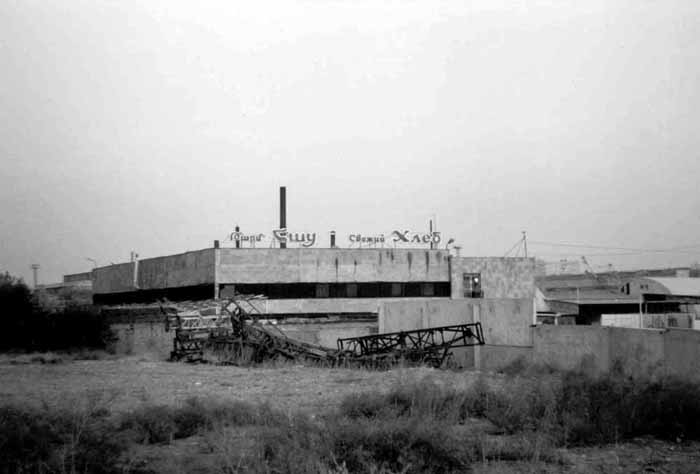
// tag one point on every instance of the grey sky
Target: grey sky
(157, 126)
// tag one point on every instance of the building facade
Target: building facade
(383, 290)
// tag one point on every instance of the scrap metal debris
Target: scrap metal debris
(233, 333)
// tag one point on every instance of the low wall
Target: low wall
(636, 351)
(148, 339)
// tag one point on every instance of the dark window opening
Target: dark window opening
(412, 289)
(322, 290)
(472, 285)
(346, 290)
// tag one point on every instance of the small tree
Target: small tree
(15, 309)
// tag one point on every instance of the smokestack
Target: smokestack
(283, 212)
(332, 239)
(238, 241)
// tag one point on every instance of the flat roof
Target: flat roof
(597, 301)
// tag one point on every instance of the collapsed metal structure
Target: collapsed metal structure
(235, 334)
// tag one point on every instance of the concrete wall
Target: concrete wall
(331, 265)
(500, 277)
(186, 269)
(78, 277)
(506, 311)
(327, 334)
(637, 351)
(332, 305)
(146, 339)
(682, 352)
(408, 315)
(113, 278)
(567, 347)
(507, 321)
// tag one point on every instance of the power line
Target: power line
(613, 254)
(637, 251)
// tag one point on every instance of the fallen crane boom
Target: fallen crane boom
(421, 345)
(236, 335)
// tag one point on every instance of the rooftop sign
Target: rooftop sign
(309, 239)
(398, 237)
(284, 236)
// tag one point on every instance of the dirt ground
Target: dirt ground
(129, 382)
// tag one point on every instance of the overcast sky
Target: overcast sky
(156, 126)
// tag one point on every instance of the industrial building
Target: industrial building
(390, 288)
(382, 282)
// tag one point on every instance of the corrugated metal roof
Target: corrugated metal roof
(679, 286)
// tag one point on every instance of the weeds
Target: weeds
(416, 427)
(33, 440)
(152, 424)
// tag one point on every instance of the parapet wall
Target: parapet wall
(172, 271)
(185, 269)
(113, 278)
(331, 265)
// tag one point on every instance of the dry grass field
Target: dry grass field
(129, 382)
(125, 384)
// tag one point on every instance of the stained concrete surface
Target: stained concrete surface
(331, 265)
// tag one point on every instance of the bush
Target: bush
(671, 409)
(424, 398)
(403, 444)
(568, 408)
(15, 310)
(28, 326)
(27, 439)
(34, 440)
(153, 424)
(298, 445)
(613, 407)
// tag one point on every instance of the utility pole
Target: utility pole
(35, 271)
(525, 242)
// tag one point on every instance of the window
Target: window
(322, 290)
(412, 289)
(472, 285)
(275, 291)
